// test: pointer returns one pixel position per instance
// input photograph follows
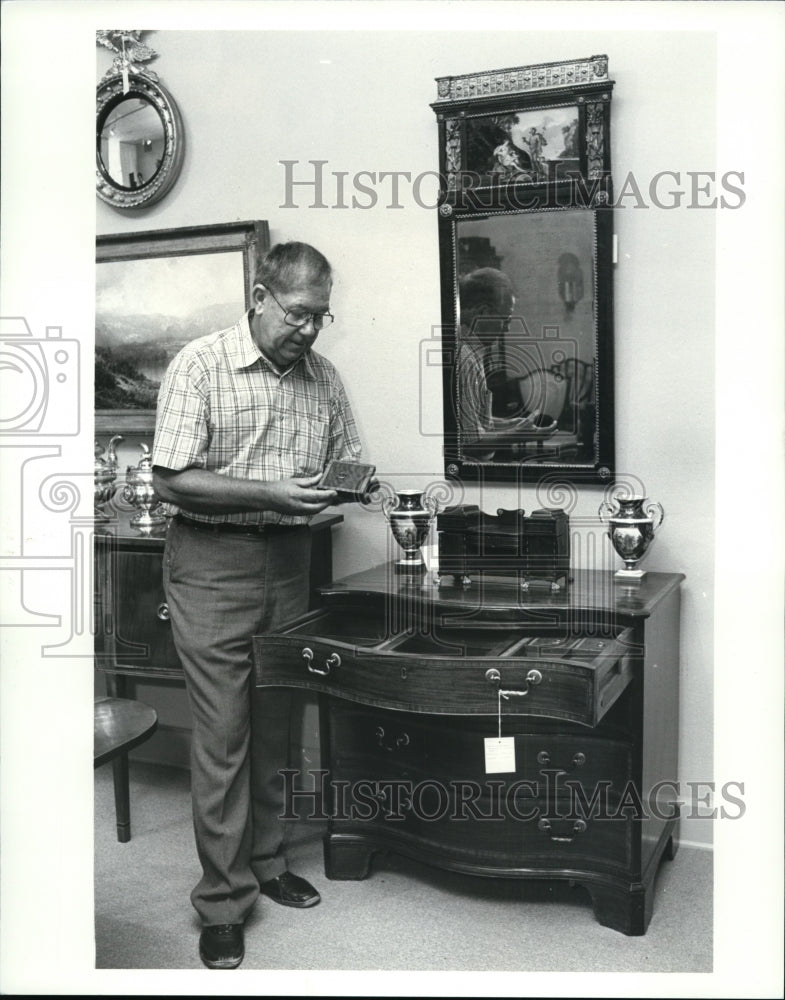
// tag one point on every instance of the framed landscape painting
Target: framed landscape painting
(155, 292)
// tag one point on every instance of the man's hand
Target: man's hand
(298, 496)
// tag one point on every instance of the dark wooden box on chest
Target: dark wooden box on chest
(533, 548)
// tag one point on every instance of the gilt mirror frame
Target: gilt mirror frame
(169, 140)
(526, 189)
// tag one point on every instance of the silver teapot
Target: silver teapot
(104, 476)
(138, 491)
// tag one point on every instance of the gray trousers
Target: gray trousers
(222, 589)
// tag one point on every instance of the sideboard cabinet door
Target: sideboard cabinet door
(133, 630)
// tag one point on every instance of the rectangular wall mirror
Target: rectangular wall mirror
(526, 249)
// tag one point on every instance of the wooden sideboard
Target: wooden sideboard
(416, 684)
(133, 636)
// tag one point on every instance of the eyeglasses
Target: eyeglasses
(299, 317)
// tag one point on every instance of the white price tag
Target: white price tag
(499, 754)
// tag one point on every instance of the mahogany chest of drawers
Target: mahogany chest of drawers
(494, 731)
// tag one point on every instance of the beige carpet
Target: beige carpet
(405, 916)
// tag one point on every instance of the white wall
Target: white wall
(360, 100)
(370, 111)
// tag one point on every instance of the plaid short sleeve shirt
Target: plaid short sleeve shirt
(223, 407)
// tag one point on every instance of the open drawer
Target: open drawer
(350, 651)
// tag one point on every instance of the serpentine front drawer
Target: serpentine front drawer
(349, 652)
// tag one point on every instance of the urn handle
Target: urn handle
(655, 512)
(606, 508)
(431, 504)
(389, 504)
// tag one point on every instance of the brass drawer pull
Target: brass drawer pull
(333, 660)
(401, 741)
(308, 657)
(162, 611)
(386, 801)
(579, 826)
(533, 678)
(578, 759)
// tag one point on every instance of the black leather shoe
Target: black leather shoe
(290, 890)
(221, 946)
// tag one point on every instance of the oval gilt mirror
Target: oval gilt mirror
(139, 142)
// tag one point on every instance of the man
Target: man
(247, 419)
(486, 304)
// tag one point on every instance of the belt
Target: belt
(230, 527)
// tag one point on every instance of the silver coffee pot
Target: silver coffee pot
(138, 491)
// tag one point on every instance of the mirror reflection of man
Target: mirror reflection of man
(486, 306)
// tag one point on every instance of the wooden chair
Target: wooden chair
(120, 725)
